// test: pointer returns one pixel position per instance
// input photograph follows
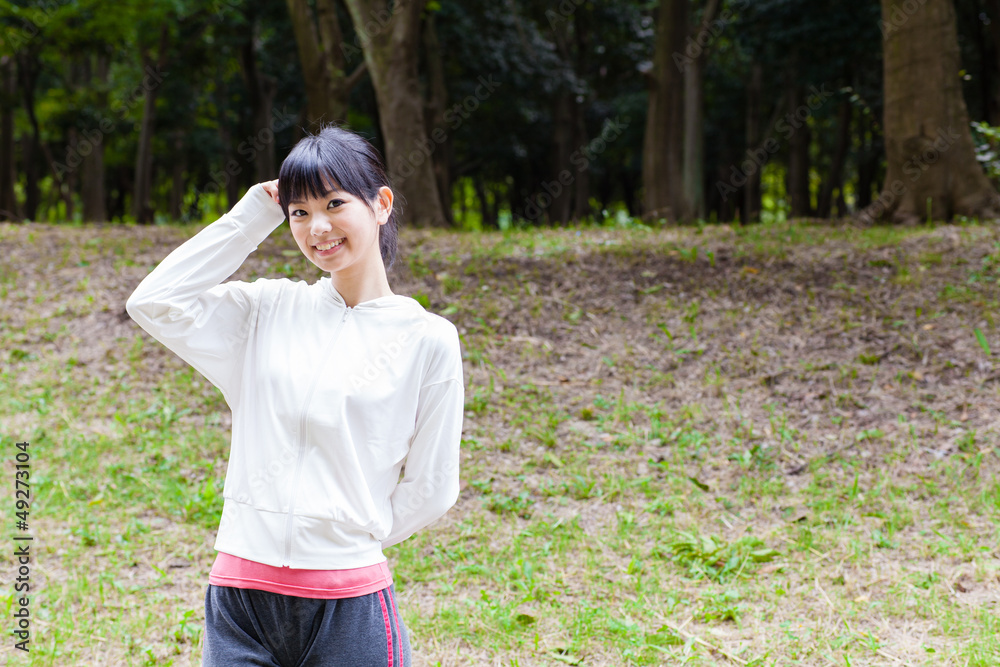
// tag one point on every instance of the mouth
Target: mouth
(329, 245)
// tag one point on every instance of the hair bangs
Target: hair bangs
(315, 167)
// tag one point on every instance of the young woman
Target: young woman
(347, 408)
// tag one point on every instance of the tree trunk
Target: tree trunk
(679, 28)
(569, 186)
(463, 209)
(661, 152)
(177, 168)
(752, 191)
(92, 185)
(8, 97)
(122, 186)
(322, 56)
(993, 104)
(230, 186)
(579, 50)
(560, 189)
(693, 188)
(866, 179)
(835, 179)
(261, 90)
(142, 208)
(931, 163)
(391, 50)
(693, 177)
(92, 179)
(726, 206)
(28, 67)
(67, 186)
(629, 191)
(488, 212)
(799, 196)
(869, 156)
(437, 101)
(581, 182)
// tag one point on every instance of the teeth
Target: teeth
(331, 244)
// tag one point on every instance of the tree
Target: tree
(496, 160)
(153, 65)
(390, 34)
(662, 146)
(992, 93)
(8, 93)
(84, 33)
(693, 173)
(176, 28)
(435, 110)
(323, 57)
(583, 87)
(95, 70)
(28, 68)
(932, 169)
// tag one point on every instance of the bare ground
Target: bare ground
(814, 352)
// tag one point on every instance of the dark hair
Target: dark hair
(335, 156)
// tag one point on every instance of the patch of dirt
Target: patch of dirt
(811, 353)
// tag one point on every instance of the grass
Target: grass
(767, 445)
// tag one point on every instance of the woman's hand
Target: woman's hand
(271, 188)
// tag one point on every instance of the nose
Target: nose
(319, 225)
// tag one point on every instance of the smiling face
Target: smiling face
(339, 232)
(330, 165)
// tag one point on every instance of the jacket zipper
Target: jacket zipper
(289, 521)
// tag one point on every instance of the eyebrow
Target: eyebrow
(321, 196)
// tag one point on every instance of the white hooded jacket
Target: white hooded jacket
(328, 400)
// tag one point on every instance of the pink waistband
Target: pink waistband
(237, 572)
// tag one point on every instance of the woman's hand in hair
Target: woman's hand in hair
(271, 188)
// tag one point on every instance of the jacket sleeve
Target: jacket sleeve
(183, 304)
(430, 481)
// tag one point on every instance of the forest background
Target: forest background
(494, 115)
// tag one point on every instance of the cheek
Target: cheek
(299, 235)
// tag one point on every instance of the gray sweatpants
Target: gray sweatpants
(246, 627)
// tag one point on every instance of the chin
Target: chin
(327, 266)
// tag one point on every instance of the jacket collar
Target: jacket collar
(381, 302)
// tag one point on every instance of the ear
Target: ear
(383, 205)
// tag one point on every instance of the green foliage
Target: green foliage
(709, 557)
(981, 339)
(564, 74)
(987, 143)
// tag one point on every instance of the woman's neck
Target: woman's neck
(360, 288)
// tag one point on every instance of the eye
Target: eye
(334, 203)
(297, 213)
